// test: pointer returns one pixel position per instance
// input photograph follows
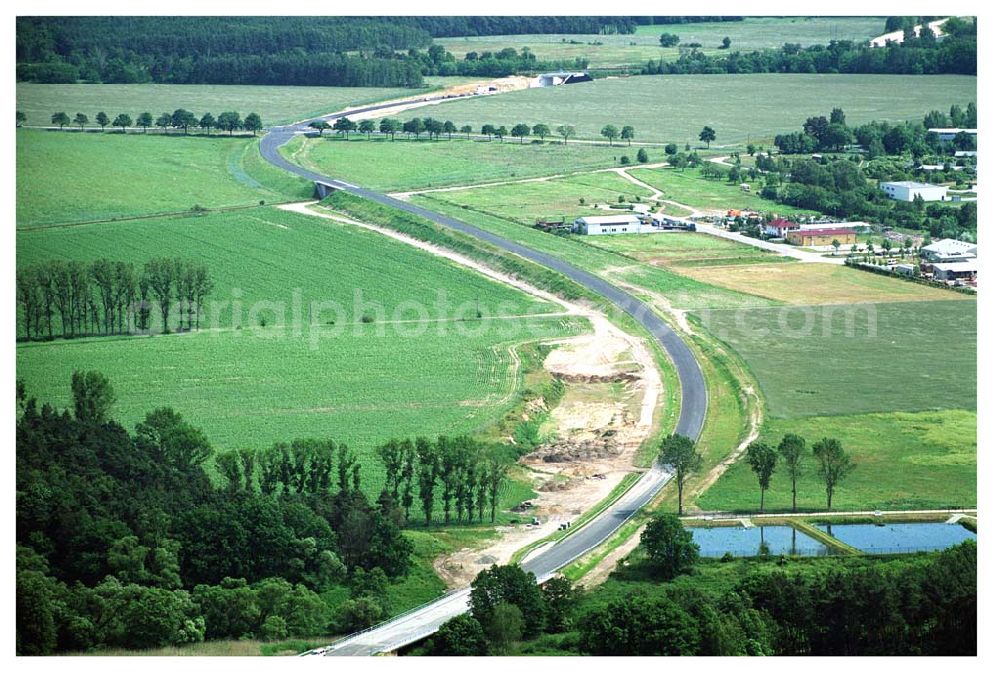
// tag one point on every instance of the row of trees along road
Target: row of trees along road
(179, 119)
(108, 297)
(833, 463)
(416, 126)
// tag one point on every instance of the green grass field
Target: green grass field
(904, 461)
(66, 177)
(275, 105)
(689, 187)
(409, 165)
(604, 51)
(266, 256)
(676, 107)
(491, 214)
(559, 198)
(917, 356)
(686, 249)
(424, 365)
(252, 388)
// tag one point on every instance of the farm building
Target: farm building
(779, 227)
(618, 224)
(822, 237)
(555, 79)
(908, 190)
(852, 225)
(949, 250)
(966, 153)
(952, 271)
(950, 133)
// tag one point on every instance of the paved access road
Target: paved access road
(424, 621)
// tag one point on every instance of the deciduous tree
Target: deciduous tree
(678, 453)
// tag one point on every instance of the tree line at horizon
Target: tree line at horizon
(343, 51)
(179, 119)
(106, 297)
(956, 53)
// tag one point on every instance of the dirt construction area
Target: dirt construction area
(592, 435)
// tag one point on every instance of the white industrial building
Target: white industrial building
(953, 271)
(908, 190)
(625, 223)
(555, 79)
(949, 250)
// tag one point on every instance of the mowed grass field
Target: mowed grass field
(604, 51)
(275, 105)
(525, 202)
(861, 358)
(405, 164)
(810, 284)
(689, 187)
(674, 108)
(493, 215)
(688, 249)
(66, 177)
(904, 461)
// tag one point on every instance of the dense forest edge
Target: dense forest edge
(399, 51)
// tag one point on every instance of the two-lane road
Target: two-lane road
(423, 622)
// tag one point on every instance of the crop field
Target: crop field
(557, 198)
(689, 249)
(860, 358)
(266, 258)
(809, 284)
(604, 51)
(674, 108)
(681, 291)
(422, 363)
(360, 386)
(65, 177)
(689, 187)
(404, 164)
(904, 461)
(275, 104)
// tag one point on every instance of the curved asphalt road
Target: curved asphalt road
(423, 622)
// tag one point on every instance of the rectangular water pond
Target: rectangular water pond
(900, 537)
(714, 542)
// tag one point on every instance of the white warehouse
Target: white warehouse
(908, 190)
(618, 224)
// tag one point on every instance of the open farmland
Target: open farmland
(423, 364)
(809, 284)
(417, 164)
(604, 51)
(65, 177)
(266, 255)
(361, 386)
(682, 292)
(850, 359)
(689, 187)
(558, 198)
(904, 461)
(688, 249)
(675, 107)
(275, 105)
